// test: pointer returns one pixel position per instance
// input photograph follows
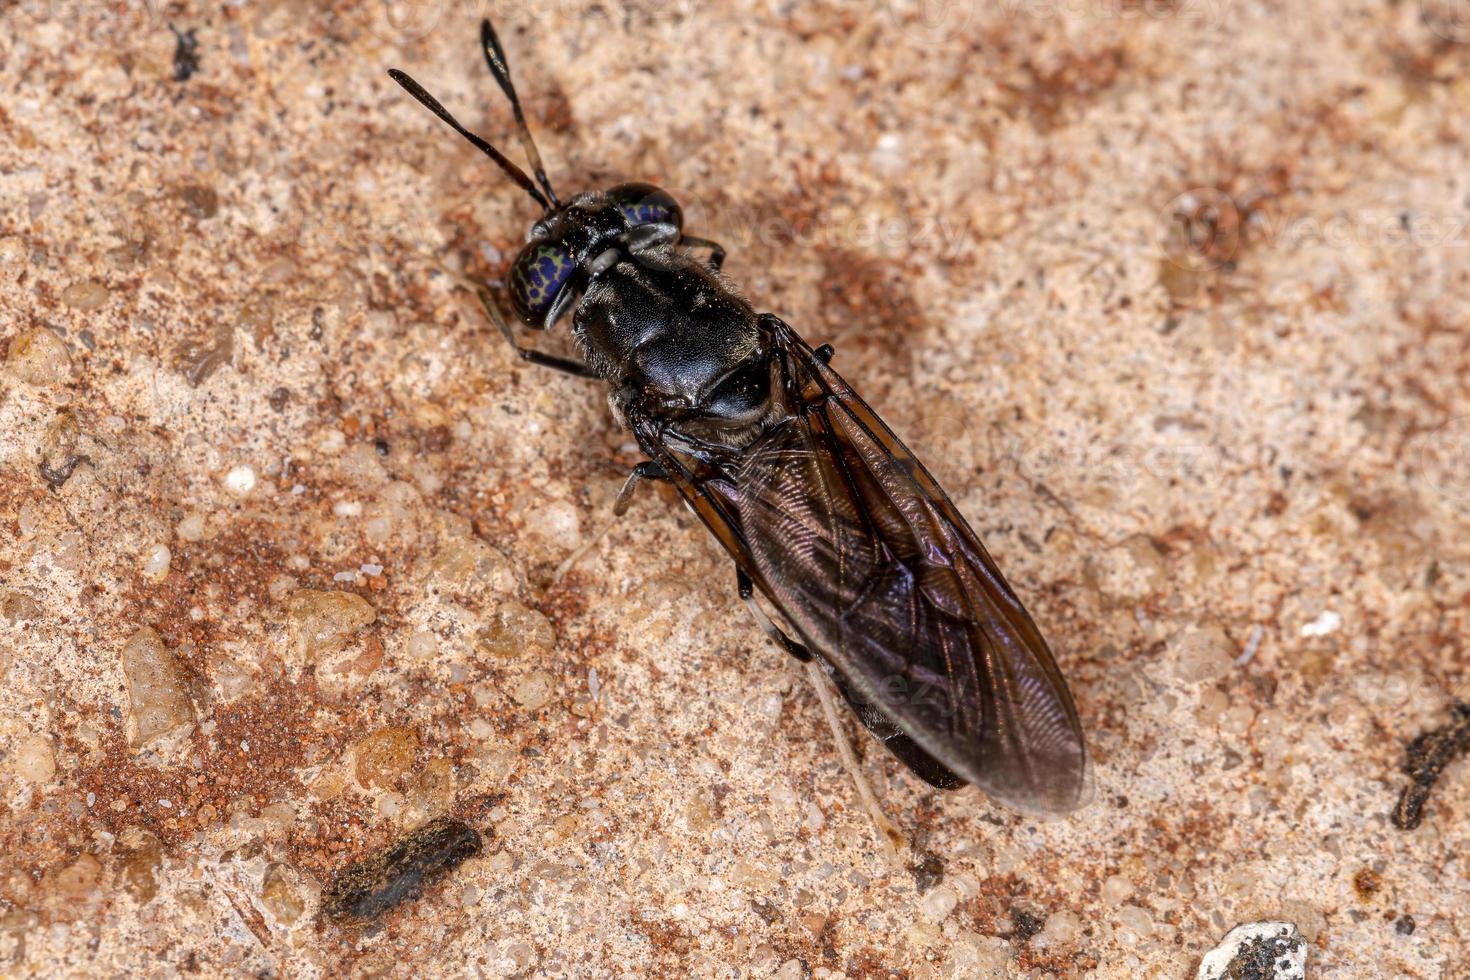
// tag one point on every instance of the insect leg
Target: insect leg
(646, 470)
(818, 671)
(892, 839)
(565, 364)
(716, 250)
(905, 749)
(747, 592)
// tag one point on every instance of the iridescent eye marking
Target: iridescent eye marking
(645, 214)
(539, 276)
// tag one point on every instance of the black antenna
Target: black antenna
(500, 68)
(515, 173)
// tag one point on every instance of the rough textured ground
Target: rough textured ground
(1173, 296)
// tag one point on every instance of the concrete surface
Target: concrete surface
(1173, 296)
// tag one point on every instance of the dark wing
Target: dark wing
(872, 565)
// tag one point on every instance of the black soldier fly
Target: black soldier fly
(824, 511)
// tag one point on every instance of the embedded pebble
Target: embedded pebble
(973, 955)
(1204, 653)
(19, 607)
(1137, 920)
(77, 882)
(85, 295)
(281, 895)
(157, 690)
(1061, 929)
(325, 621)
(1117, 889)
(421, 646)
(332, 441)
(939, 903)
(534, 690)
(32, 759)
(468, 563)
(60, 449)
(142, 854)
(385, 755)
(1257, 951)
(191, 528)
(39, 358)
(156, 559)
(432, 790)
(516, 629)
(557, 524)
(240, 480)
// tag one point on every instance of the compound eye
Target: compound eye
(537, 278)
(645, 204)
(743, 395)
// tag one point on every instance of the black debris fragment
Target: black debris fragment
(927, 873)
(60, 455)
(1257, 959)
(1027, 924)
(1427, 756)
(372, 886)
(186, 54)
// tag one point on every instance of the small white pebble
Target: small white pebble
(814, 818)
(534, 690)
(1326, 623)
(594, 687)
(1117, 889)
(371, 569)
(347, 508)
(297, 490)
(156, 559)
(91, 798)
(770, 706)
(32, 760)
(1137, 921)
(1062, 927)
(345, 577)
(240, 480)
(557, 523)
(166, 804)
(244, 745)
(391, 805)
(421, 645)
(939, 903)
(192, 528)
